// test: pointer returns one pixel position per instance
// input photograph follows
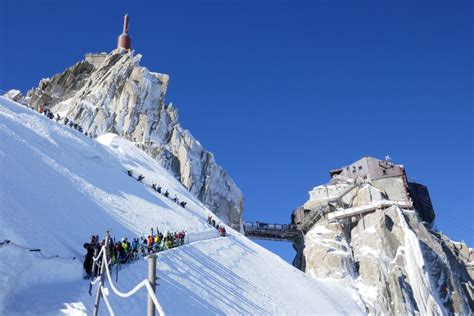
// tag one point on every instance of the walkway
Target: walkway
(276, 232)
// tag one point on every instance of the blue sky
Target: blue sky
(282, 92)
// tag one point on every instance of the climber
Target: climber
(158, 189)
(58, 118)
(143, 246)
(130, 172)
(183, 204)
(166, 193)
(150, 243)
(41, 109)
(209, 219)
(153, 186)
(222, 231)
(213, 222)
(156, 243)
(140, 177)
(175, 199)
(135, 246)
(88, 261)
(66, 120)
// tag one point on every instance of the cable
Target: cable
(7, 242)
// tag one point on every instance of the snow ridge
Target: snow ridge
(60, 187)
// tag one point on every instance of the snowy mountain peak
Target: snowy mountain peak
(112, 93)
(62, 186)
(374, 230)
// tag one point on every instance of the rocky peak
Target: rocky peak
(370, 235)
(112, 93)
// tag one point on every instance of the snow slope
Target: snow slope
(57, 187)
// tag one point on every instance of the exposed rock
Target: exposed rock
(113, 93)
(15, 95)
(398, 264)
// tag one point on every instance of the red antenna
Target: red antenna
(124, 40)
(125, 24)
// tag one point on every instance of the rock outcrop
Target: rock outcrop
(112, 93)
(398, 264)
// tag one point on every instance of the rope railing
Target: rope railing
(149, 283)
(8, 242)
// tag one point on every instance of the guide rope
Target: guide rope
(7, 242)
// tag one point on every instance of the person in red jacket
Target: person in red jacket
(41, 108)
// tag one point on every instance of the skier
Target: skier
(150, 243)
(88, 261)
(143, 246)
(222, 231)
(157, 242)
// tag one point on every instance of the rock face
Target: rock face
(112, 93)
(398, 265)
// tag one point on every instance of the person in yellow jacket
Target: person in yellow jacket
(125, 246)
(157, 243)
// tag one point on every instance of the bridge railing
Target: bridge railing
(267, 226)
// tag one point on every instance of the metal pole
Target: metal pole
(94, 267)
(102, 269)
(99, 290)
(152, 280)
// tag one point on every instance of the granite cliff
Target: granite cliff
(112, 93)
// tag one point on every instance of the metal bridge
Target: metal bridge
(276, 232)
(283, 232)
(289, 232)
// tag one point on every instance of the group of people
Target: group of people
(47, 112)
(220, 228)
(159, 189)
(124, 250)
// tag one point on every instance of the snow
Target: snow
(418, 272)
(58, 187)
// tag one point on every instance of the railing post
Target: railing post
(102, 269)
(94, 266)
(94, 269)
(152, 280)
